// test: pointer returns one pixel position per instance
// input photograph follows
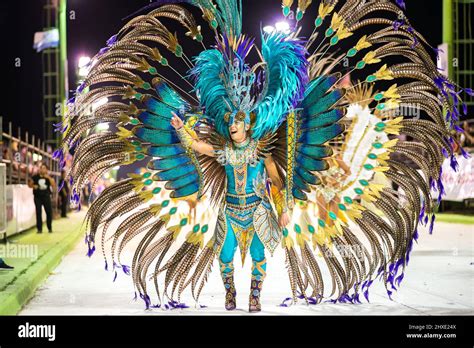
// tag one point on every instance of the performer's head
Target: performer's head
(239, 125)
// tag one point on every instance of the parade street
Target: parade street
(438, 281)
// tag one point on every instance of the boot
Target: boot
(258, 275)
(230, 294)
(254, 298)
(227, 274)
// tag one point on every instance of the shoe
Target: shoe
(4, 266)
(230, 294)
(254, 298)
(39, 232)
(50, 231)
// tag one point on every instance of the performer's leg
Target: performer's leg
(49, 212)
(39, 218)
(226, 263)
(259, 268)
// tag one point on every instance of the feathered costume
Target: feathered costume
(293, 101)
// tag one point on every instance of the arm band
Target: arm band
(279, 200)
(185, 138)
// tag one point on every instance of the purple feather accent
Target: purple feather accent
(397, 24)
(389, 293)
(112, 40)
(458, 129)
(106, 265)
(356, 298)
(58, 154)
(166, 306)
(425, 221)
(422, 212)
(454, 163)
(102, 51)
(60, 187)
(401, 3)
(202, 306)
(126, 269)
(439, 82)
(283, 304)
(135, 297)
(366, 295)
(397, 266)
(176, 305)
(410, 246)
(399, 279)
(155, 306)
(445, 153)
(312, 300)
(415, 235)
(464, 153)
(115, 276)
(433, 217)
(81, 87)
(469, 91)
(464, 108)
(90, 250)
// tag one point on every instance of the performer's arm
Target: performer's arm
(278, 192)
(188, 140)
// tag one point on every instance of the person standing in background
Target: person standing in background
(42, 184)
(63, 194)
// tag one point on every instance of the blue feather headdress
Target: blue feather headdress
(227, 84)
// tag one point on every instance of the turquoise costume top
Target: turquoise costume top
(247, 209)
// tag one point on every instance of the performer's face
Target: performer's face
(238, 131)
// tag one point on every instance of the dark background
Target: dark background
(97, 20)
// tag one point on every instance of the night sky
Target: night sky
(96, 21)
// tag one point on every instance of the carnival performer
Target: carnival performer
(246, 191)
(247, 126)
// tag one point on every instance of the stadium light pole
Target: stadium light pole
(63, 67)
(448, 33)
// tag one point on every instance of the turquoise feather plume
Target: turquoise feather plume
(286, 76)
(210, 64)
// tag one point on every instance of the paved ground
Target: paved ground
(33, 257)
(439, 281)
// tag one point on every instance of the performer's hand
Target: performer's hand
(284, 220)
(176, 122)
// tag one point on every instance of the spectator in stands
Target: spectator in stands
(467, 138)
(63, 194)
(3, 265)
(42, 184)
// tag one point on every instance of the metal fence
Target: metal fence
(22, 153)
